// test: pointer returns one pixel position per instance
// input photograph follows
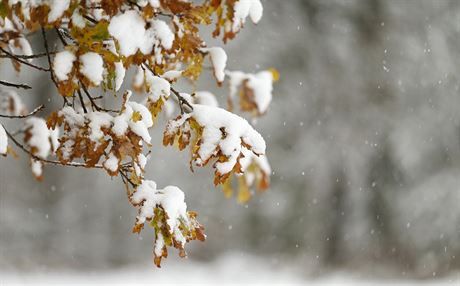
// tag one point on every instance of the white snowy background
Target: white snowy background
(363, 137)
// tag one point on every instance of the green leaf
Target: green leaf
(100, 32)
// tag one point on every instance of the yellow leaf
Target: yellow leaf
(227, 188)
(90, 34)
(275, 74)
(136, 116)
(243, 193)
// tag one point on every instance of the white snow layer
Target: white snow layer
(250, 157)
(42, 140)
(156, 86)
(111, 163)
(205, 98)
(139, 127)
(36, 167)
(172, 75)
(236, 78)
(73, 118)
(120, 72)
(243, 9)
(20, 46)
(218, 60)
(62, 64)
(77, 19)
(6, 25)
(3, 140)
(129, 30)
(58, 8)
(97, 121)
(119, 124)
(171, 199)
(138, 78)
(163, 33)
(153, 3)
(230, 269)
(142, 160)
(11, 103)
(261, 84)
(92, 67)
(236, 128)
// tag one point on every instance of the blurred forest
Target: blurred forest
(363, 137)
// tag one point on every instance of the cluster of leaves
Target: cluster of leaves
(99, 42)
(254, 174)
(98, 136)
(227, 140)
(165, 210)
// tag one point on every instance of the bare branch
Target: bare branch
(61, 37)
(36, 110)
(12, 56)
(94, 105)
(90, 19)
(26, 57)
(45, 43)
(16, 85)
(81, 101)
(70, 164)
(125, 177)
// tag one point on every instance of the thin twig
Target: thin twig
(26, 57)
(61, 37)
(90, 19)
(16, 85)
(182, 100)
(127, 178)
(95, 7)
(94, 105)
(12, 56)
(23, 116)
(81, 101)
(45, 43)
(70, 164)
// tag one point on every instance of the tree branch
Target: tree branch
(123, 175)
(16, 85)
(90, 19)
(26, 57)
(81, 101)
(61, 37)
(36, 110)
(45, 43)
(12, 56)
(94, 105)
(70, 164)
